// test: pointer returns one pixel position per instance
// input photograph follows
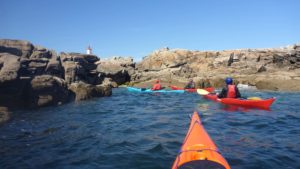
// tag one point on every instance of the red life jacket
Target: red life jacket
(231, 93)
(156, 86)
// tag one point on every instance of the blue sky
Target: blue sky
(138, 27)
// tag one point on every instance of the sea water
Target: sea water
(146, 130)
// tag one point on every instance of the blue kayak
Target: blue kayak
(135, 89)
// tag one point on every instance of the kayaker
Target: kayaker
(230, 91)
(190, 85)
(156, 86)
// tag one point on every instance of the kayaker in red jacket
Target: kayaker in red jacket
(156, 86)
(230, 91)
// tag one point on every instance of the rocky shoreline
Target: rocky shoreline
(268, 69)
(33, 76)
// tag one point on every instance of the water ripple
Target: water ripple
(145, 131)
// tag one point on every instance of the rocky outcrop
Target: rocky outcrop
(278, 84)
(85, 91)
(19, 48)
(295, 57)
(54, 66)
(109, 82)
(33, 76)
(118, 69)
(80, 67)
(11, 85)
(257, 67)
(9, 67)
(46, 90)
(42, 61)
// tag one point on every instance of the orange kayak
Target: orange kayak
(198, 151)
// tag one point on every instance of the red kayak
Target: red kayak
(264, 103)
(198, 150)
(209, 89)
(213, 97)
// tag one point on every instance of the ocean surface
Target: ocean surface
(145, 131)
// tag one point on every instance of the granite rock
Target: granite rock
(85, 91)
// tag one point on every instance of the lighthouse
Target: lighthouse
(89, 50)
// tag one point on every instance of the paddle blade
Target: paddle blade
(202, 92)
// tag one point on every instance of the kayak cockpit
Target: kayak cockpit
(201, 164)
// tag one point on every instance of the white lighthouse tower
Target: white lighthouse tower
(89, 50)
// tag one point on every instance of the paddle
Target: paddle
(202, 92)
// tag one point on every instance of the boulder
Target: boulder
(80, 67)
(70, 68)
(86, 61)
(118, 69)
(11, 85)
(36, 67)
(16, 47)
(163, 58)
(278, 59)
(46, 90)
(41, 53)
(85, 91)
(54, 66)
(9, 67)
(109, 82)
(4, 115)
(115, 72)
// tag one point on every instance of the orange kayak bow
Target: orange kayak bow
(198, 151)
